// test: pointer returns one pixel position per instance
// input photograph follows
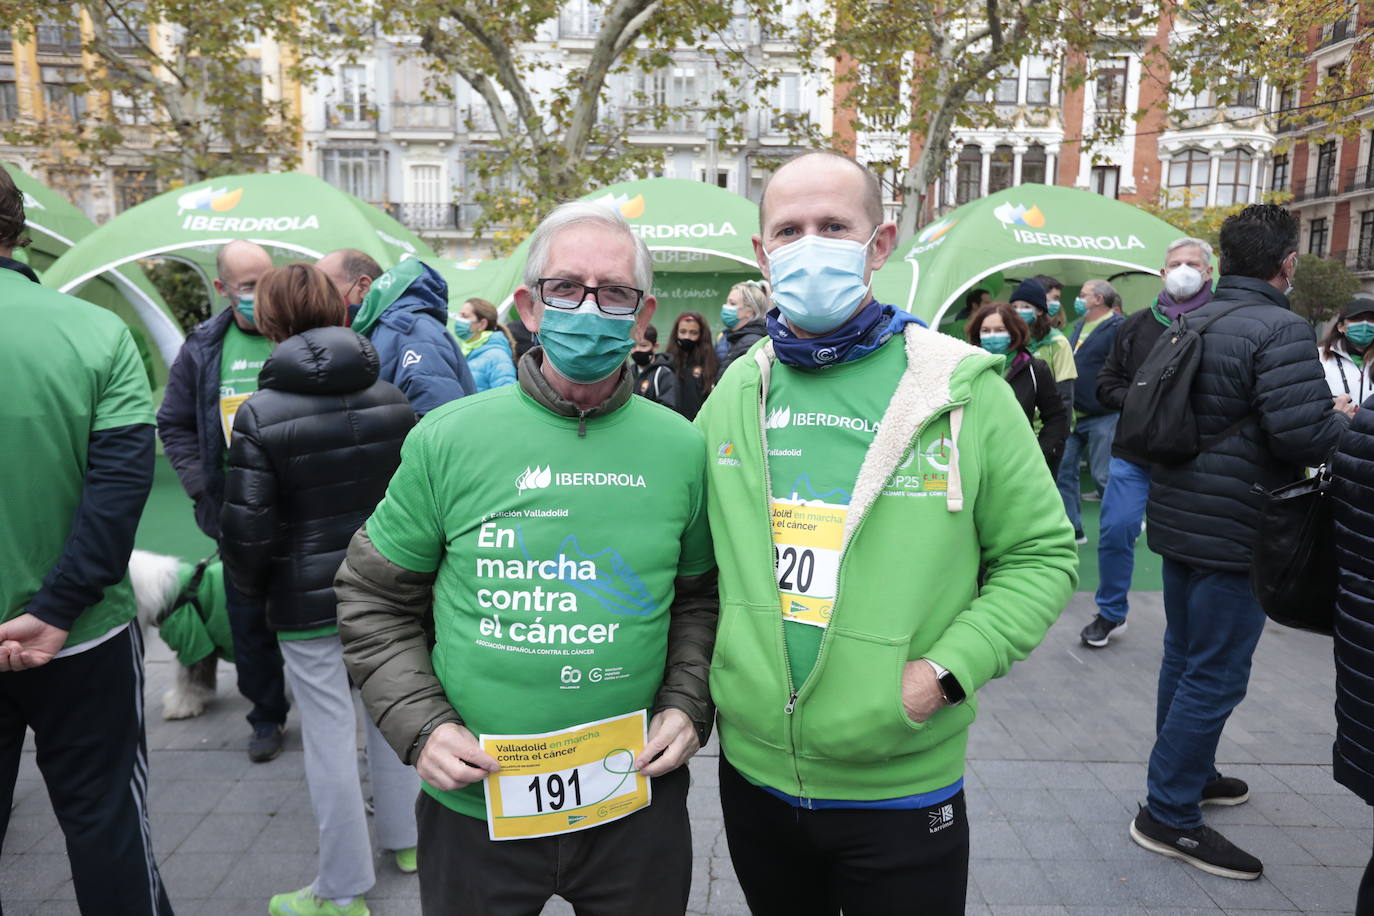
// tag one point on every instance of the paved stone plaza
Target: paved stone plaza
(1057, 767)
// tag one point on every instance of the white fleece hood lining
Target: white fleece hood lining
(923, 390)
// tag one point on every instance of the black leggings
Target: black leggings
(801, 862)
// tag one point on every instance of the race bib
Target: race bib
(565, 781)
(807, 538)
(229, 406)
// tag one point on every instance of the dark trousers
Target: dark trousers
(257, 658)
(640, 865)
(1364, 901)
(1212, 625)
(801, 862)
(86, 712)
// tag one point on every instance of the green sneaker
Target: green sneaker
(405, 860)
(304, 903)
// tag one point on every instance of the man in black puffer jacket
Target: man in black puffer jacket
(313, 451)
(1352, 472)
(1259, 369)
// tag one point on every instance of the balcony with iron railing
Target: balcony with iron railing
(426, 217)
(435, 116)
(1361, 177)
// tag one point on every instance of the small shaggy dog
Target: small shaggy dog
(185, 603)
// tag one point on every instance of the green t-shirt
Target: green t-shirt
(1088, 328)
(71, 369)
(554, 555)
(240, 362)
(819, 425)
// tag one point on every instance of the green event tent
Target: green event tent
(296, 215)
(699, 236)
(993, 243)
(55, 226)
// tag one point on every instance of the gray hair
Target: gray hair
(1200, 244)
(1104, 289)
(566, 216)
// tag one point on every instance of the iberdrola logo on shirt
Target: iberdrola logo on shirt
(535, 478)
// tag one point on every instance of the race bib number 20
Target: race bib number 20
(565, 781)
(807, 538)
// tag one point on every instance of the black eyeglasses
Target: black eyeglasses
(559, 293)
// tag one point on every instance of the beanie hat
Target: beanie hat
(1031, 291)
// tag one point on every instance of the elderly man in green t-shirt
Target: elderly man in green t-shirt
(530, 611)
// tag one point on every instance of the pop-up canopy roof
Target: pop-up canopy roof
(54, 226)
(699, 236)
(292, 212)
(1070, 234)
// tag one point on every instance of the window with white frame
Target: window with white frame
(1110, 96)
(352, 97)
(785, 100)
(1234, 171)
(1106, 180)
(1317, 237)
(1038, 74)
(360, 172)
(1007, 90)
(968, 179)
(1189, 172)
(1034, 165)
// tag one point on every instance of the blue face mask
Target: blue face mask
(819, 282)
(1053, 309)
(585, 345)
(1080, 307)
(996, 342)
(245, 306)
(729, 316)
(462, 328)
(1360, 333)
(1027, 315)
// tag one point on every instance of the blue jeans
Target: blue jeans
(257, 659)
(1091, 436)
(1123, 509)
(1212, 625)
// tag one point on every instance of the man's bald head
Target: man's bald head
(239, 261)
(824, 165)
(351, 271)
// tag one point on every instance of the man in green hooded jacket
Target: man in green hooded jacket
(888, 539)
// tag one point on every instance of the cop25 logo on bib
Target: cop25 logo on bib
(535, 478)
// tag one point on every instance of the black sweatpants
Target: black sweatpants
(801, 862)
(86, 712)
(640, 865)
(257, 658)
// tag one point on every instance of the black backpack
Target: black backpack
(1157, 420)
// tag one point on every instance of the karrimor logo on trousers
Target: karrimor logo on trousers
(941, 818)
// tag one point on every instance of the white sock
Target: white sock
(342, 901)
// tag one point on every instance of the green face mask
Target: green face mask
(245, 306)
(996, 343)
(584, 345)
(1027, 315)
(1360, 333)
(462, 328)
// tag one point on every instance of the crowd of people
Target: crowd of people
(497, 536)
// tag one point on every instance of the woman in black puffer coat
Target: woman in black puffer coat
(310, 457)
(1352, 470)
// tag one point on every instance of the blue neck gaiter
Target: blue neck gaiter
(872, 327)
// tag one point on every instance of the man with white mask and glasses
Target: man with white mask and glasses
(530, 611)
(1187, 275)
(862, 469)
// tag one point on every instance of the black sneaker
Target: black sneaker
(1225, 790)
(1201, 847)
(1100, 631)
(1079, 537)
(265, 744)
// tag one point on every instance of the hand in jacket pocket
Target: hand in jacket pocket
(921, 694)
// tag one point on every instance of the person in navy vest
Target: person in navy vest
(1094, 422)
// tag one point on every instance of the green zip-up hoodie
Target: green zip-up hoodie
(908, 580)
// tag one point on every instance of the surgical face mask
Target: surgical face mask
(1360, 333)
(245, 306)
(729, 315)
(1183, 281)
(462, 328)
(1080, 306)
(1053, 308)
(1027, 314)
(819, 282)
(996, 341)
(583, 344)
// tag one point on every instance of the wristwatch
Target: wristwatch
(949, 684)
